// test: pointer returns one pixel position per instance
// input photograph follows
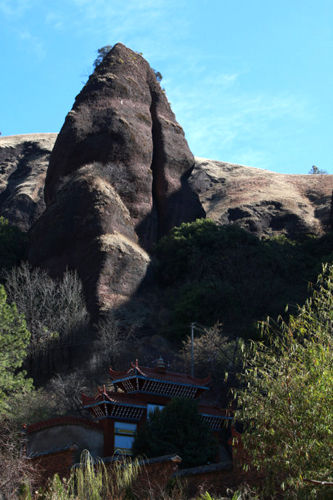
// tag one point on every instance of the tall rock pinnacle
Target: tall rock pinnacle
(116, 182)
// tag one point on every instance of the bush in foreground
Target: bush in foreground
(286, 403)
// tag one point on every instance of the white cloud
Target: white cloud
(14, 11)
(33, 43)
(225, 122)
(253, 158)
(15, 8)
(132, 22)
(223, 79)
(55, 20)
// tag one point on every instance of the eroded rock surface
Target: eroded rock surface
(116, 182)
(263, 202)
(23, 164)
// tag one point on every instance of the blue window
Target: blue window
(151, 408)
(124, 434)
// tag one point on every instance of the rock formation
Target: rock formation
(263, 202)
(23, 164)
(121, 175)
(116, 182)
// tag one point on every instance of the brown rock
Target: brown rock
(117, 180)
(23, 164)
(263, 202)
(122, 120)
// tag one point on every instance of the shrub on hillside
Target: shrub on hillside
(13, 243)
(212, 273)
(177, 428)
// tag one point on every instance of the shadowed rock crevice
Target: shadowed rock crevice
(159, 184)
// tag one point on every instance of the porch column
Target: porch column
(108, 430)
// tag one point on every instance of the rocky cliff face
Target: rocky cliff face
(121, 175)
(263, 202)
(23, 164)
(116, 182)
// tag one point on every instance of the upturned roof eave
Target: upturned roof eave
(162, 381)
(135, 370)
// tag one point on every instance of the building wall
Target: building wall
(61, 436)
(55, 463)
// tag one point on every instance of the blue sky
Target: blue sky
(250, 81)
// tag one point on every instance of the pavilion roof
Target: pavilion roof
(115, 405)
(157, 374)
(132, 406)
(113, 397)
(141, 400)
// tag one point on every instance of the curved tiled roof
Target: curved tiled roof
(155, 373)
(117, 398)
(53, 422)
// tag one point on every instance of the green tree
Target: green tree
(13, 243)
(286, 403)
(101, 53)
(316, 171)
(14, 339)
(215, 354)
(158, 75)
(178, 428)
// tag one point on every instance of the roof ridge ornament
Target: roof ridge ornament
(137, 368)
(160, 365)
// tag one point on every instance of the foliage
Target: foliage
(114, 343)
(61, 396)
(14, 339)
(210, 273)
(286, 401)
(33, 406)
(101, 53)
(315, 170)
(13, 244)
(158, 75)
(213, 354)
(87, 481)
(53, 308)
(92, 480)
(177, 428)
(68, 389)
(16, 472)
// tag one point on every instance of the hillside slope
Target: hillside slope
(263, 202)
(23, 164)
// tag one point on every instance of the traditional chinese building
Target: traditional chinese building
(135, 394)
(116, 413)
